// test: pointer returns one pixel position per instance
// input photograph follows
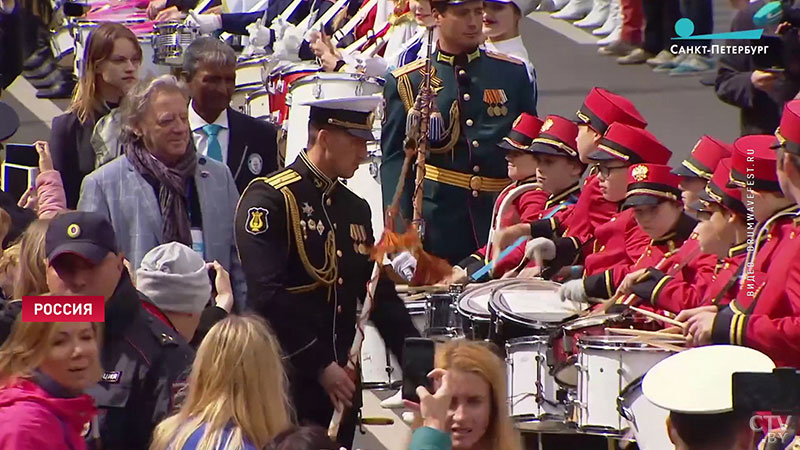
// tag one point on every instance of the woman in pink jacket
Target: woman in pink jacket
(44, 370)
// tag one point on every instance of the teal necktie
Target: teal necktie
(214, 149)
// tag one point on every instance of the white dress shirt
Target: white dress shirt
(196, 124)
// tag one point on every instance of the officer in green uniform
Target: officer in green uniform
(305, 241)
(479, 94)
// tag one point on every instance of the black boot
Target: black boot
(62, 89)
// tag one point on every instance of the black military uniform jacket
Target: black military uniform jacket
(304, 241)
(146, 364)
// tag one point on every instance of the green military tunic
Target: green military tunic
(479, 95)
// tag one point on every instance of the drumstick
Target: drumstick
(404, 288)
(633, 332)
(657, 316)
(664, 345)
(613, 300)
(676, 330)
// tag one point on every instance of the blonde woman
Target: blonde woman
(111, 67)
(9, 269)
(44, 370)
(31, 279)
(242, 407)
(478, 416)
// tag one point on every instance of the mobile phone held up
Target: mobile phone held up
(418, 356)
(19, 169)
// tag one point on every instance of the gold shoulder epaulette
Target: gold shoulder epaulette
(282, 178)
(504, 57)
(410, 67)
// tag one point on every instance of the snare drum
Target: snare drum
(607, 364)
(257, 105)
(565, 345)
(532, 390)
(644, 418)
(440, 314)
(366, 183)
(527, 308)
(170, 40)
(251, 70)
(379, 367)
(473, 309)
(278, 84)
(240, 94)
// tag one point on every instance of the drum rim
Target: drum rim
(538, 338)
(255, 94)
(612, 342)
(338, 76)
(571, 325)
(502, 312)
(248, 87)
(471, 312)
(251, 61)
(538, 324)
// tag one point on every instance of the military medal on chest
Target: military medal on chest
(495, 100)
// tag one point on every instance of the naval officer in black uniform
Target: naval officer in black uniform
(304, 240)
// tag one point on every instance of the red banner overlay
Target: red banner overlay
(45, 308)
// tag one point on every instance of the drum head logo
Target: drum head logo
(255, 163)
(257, 221)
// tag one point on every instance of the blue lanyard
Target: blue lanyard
(570, 201)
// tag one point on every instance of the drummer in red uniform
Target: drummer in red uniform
(620, 241)
(521, 201)
(559, 171)
(763, 315)
(600, 109)
(654, 197)
(706, 269)
(697, 169)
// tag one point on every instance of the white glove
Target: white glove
(545, 247)
(205, 23)
(287, 47)
(260, 37)
(405, 264)
(573, 290)
(279, 26)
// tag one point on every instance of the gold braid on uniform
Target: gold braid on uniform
(453, 130)
(327, 274)
(405, 91)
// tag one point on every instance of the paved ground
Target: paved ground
(679, 111)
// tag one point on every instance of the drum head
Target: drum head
(531, 301)
(567, 374)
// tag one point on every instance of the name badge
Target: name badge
(198, 244)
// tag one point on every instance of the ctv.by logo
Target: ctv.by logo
(684, 28)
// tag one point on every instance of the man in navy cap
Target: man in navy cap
(145, 361)
(305, 242)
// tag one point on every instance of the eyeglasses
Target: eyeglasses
(605, 171)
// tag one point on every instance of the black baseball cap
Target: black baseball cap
(86, 234)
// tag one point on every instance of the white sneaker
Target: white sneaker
(558, 5)
(693, 65)
(394, 402)
(408, 417)
(662, 57)
(576, 9)
(597, 16)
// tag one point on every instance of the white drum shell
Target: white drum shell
(604, 370)
(527, 372)
(258, 105)
(649, 422)
(250, 70)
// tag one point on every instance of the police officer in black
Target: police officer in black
(304, 240)
(145, 361)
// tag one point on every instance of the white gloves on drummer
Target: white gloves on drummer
(574, 291)
(543, 246)
(260, 38)
(205, 23)
(405, 265)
